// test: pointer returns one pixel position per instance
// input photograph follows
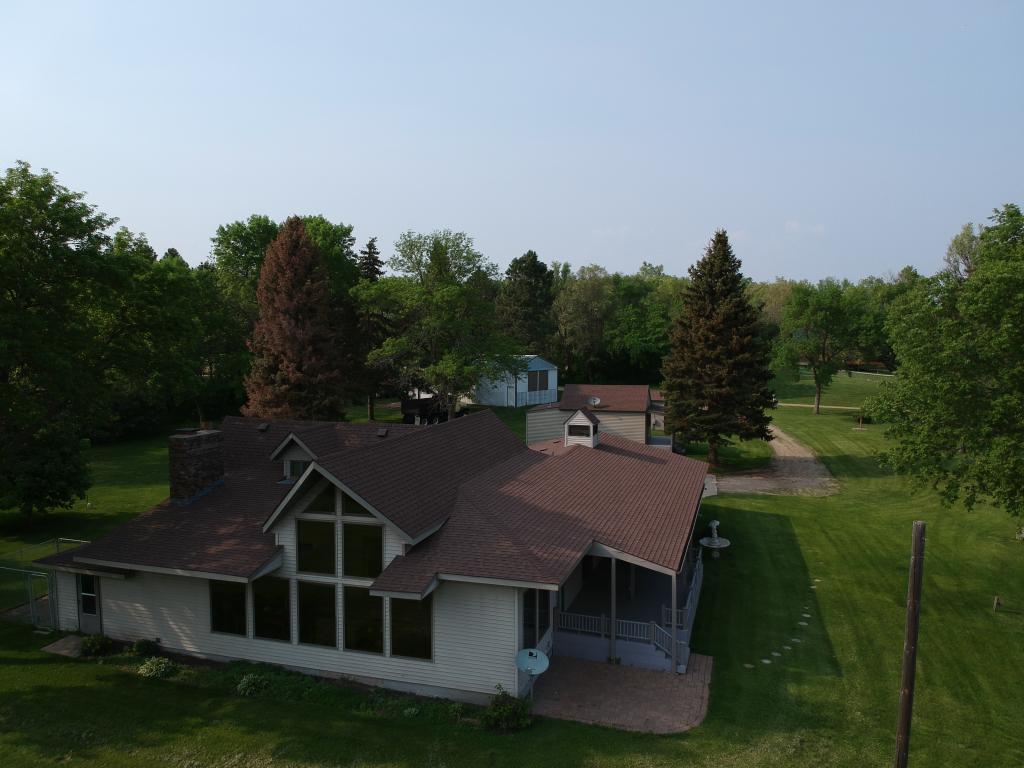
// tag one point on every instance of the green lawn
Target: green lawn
(846, 389)
(740, 456)
(829, 701)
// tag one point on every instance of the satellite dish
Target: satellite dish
(532, 661)
(593, 400)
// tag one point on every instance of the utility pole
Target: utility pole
(910, 647)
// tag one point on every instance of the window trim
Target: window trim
(571, 427)
(298, 615)
(390, 631)
(334, 537)
(383, 548)
(209, 608)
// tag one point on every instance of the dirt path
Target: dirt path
(794, 469)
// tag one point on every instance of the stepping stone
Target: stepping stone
(763, 661)
(795, 640)
(749, 666)
(776, 653)
(806, 616)
(801, 623)
(816, 581)
(812, 587)
(787, 647)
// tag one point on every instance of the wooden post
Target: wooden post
(910, 646)
(611, 635)
(672, 625)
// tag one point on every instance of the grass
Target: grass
(846, 390)
(742, 455)
(829, 701)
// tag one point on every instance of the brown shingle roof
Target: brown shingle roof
(533, 518)
(221, 532)
(627, 398)
(414, 482)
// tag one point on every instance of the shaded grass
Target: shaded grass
(846, 389)
(742, 455)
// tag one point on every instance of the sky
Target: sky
(828, 139)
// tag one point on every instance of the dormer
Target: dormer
(295, 456)
(582, 429)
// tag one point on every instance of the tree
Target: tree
(956, 410)
(717, 372)
(444, 333)
(960, 255)
(238, 251)
(582, 310)
(636, 336)
(295, 369)
(818, 329)
(524, 302)
(370, 265)
(53, 261)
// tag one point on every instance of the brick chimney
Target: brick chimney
(197, 463)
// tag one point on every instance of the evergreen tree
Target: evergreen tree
(524, 303)
(370, 265)
(717, 371)
(296, 371)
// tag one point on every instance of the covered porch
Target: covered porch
(606, 592)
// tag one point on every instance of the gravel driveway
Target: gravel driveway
(794, 469)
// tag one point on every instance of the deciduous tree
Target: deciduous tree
(524, 302)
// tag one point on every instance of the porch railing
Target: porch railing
(537, 397)
(686, 615)
(625, 629)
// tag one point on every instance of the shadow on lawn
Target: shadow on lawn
(753, 600)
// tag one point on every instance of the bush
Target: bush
(146, 648)
(158, 667)
(252, 685)
(97, 645)
(506, 713)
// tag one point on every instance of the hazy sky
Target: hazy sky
(843, 140)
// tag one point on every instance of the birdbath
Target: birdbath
(714, 542)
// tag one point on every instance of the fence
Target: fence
(538, 397)
(25, 590)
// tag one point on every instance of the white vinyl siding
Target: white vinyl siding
(546, 425)
(543, 426)
(475, 634)
(67, 601)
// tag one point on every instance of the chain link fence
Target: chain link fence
(25, 589)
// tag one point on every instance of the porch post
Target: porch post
(672, 625)
(611, 635)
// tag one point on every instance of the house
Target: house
(537, 384)
(622, 409)
(416, 558)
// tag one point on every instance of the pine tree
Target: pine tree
(370, 265)
(296, 370)
(524, 302)
(717, 371)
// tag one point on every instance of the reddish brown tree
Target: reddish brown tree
(298, 369)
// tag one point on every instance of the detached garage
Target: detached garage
(622, 409)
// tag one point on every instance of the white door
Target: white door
(89, 619)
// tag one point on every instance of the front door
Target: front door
(89, 620)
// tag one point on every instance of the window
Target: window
(363, 555)
(412, 628)
(227, 607)
(579, 430)
(364, 620)
(296, 468)
(271, 607)
(315, 546)
(544, 617)
(350, 506)
(87, 590)
(530, 618)
(324, 502)
(317, 614)
(537, 381)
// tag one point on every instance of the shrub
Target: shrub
(252, 685)
(146, 648)
(157, 667)
(456, 711)
(97, 645)
(506, 713)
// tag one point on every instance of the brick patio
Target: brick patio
(628, 698)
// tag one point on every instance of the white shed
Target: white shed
(537, 385)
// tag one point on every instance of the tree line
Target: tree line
(104, 338)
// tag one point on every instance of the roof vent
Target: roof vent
(593, 400)
(262, 427)
(382, 432)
